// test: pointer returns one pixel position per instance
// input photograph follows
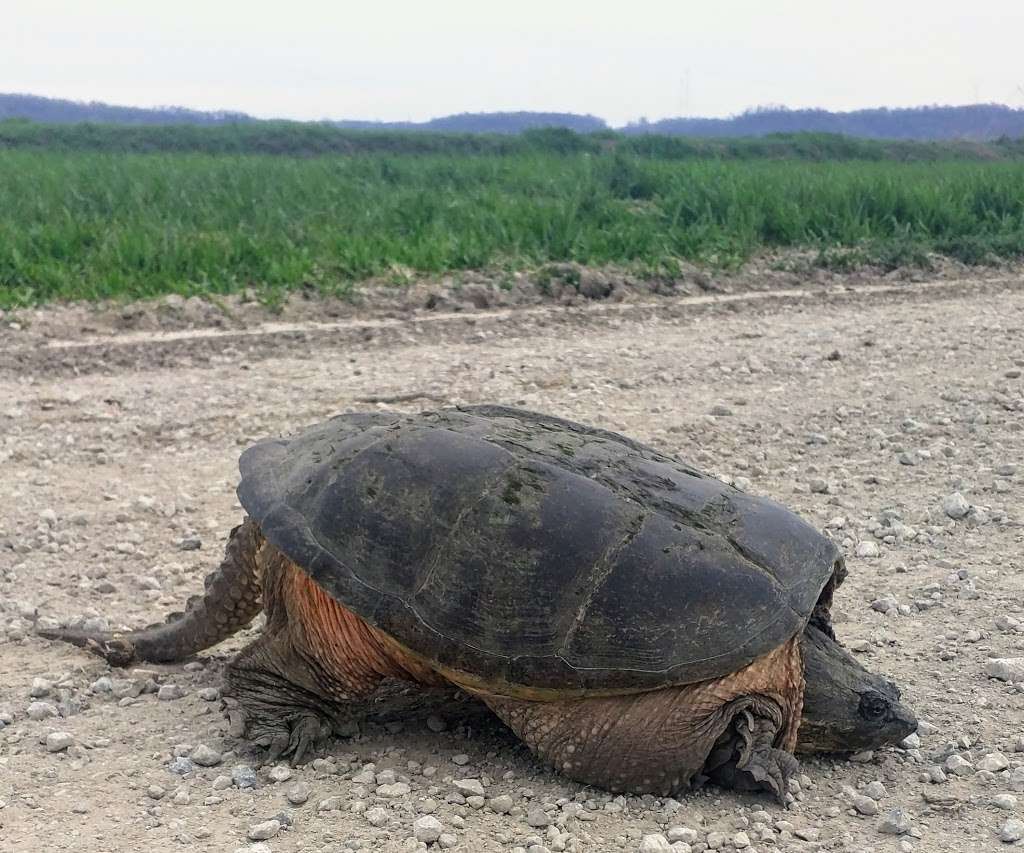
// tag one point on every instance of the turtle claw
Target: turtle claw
(292, 737)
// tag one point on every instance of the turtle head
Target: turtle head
(846, 707)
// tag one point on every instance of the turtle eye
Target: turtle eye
(873, 707)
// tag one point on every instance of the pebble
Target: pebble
(155, 792)
(461, 759)
(867, 549)
(446, 840)
(656, 843)
(427, 829)
(169, 692)
(376, 816)
(181, 766)
(205, 756)
(955, 506)
(208, 694)
(683, 834)
(298, 794)
(1011, 831)
(721, 411)
(537, 817)
(1005, 669)
(40, 688)
(221, 783)
(1008, 802)
(875, 790)
(280, 773)
(958, 765)
(469, 787)
(436, 723)
(501, 804)
(42, 710)
(243, 776)
(864, 805)
(885, 604)
(894, 822)
(58, 741)
(993, 762)
(263, 831)
(398, 789)
(911, 741)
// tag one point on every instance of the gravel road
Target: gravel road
(889, 413)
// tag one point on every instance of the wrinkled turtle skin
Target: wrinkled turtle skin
(534, 553)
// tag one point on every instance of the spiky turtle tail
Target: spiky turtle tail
(233, 597)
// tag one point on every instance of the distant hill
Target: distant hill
(975, 122)
(57, 111)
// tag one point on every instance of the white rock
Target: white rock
(994, 762)
(205, 756)
(40, 687)
(1005, 669)
(1007, 802)
(42, 710)
(958, 765)
(391, 792)
(955, 506)
(1012, 830)
(683, 833)
(377, 816)
(501, 804)
(894, 822)
(911, 741)
(263, 831)
(427, 829)
(656, 843)
(298, 794)
(469, 787)
(280, 773)
(58, 741)
(864, 805)
(868, 549)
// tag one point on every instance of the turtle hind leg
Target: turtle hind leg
(738, 730)
(230, 602)
(305, 675)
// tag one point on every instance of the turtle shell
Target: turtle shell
(536, 555)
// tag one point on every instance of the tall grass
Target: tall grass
(88, 225)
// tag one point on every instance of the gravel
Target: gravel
(168, 426)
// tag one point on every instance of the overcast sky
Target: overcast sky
(620, 60)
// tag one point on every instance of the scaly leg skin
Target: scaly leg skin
(299, 680)
(230, 602)
(739, 730)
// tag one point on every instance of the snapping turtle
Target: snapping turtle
(639, 625)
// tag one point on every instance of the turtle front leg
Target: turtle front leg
(738, 730)
(268, 704)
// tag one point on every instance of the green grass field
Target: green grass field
(88, 225)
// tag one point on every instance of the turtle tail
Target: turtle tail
(233, 597)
